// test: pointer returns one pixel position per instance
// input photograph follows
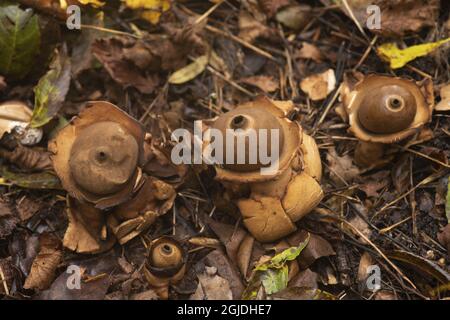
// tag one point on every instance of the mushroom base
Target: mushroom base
(161, 284)
(370, 155)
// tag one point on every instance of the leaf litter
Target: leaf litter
(169, 63)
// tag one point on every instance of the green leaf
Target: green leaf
(275, 280)
(447, 203)
(42, 180)
(273, 274)
(51, 90)
(20, 40)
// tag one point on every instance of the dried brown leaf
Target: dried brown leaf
(212, 286)
(444, 104)
(309, 51)
(341, 168)
(44, 265)
(8, 220)
(251, 29)
(444, 237)
(265, 83)
(270, 7)
(318, 86)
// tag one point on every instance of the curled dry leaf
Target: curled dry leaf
(44, 265)
(27, 207)
(205, 242)
(138, 62)
(309, 51)
(226, 270)
(421, 265)
(190, 71)
(305, 279)
(319, 86)
(116, 56)
(265, 83)
(444, 237)
(341, 168)
(251, 29)
(157, 162)
(271, 7)
(444, 104)
(398, 17)
(295, 16)
(8, 221)
(316, 248)
(94, 289)
(15, 117)
(363, 269)
(152, 200)
(212, 286)
(29, 159)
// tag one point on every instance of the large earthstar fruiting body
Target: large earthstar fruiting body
(382, 110)
(271, 203)
(165, 265)
(98, 158)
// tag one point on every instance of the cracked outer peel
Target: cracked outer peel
(303, 194)
(153, 199)
(84, 232)
(61, 147)
(265, 218)
(311, 157)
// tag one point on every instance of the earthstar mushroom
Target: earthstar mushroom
(165, 265)
(270, 203)
(383, 110)
(99, 158)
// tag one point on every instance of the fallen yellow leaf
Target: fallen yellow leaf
(190, 71)
(94, 3)
(153, 8)
(400, 57)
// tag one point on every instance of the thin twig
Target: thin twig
(3, 280)
(425, 156)
(242, 42)
(374, 246)
(366, 53)
(427, 180)
(395, 225)
(231, 82)
(122, 33)
(352, 15)
(327, 109)
(208, 12)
